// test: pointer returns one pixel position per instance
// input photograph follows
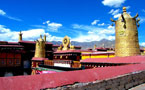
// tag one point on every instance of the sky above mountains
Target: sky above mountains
(81, 20)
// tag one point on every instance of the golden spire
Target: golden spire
(126, 35)
(41, 38)
(60, 48)
(124, 9)
(44, 37)
(95, 46)
(20, 36)
(40, 48)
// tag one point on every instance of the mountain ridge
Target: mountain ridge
(86, 45)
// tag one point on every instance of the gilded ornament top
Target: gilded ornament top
(66, 41)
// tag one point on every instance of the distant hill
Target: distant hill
(86, 45)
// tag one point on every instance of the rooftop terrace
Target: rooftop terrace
(53, 80)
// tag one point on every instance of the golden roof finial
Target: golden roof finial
(124, 9)
(41, 39)
(40, 48)
(20, 32)
(40, 36)
(95, 46)
(44, 37)
(20, 36)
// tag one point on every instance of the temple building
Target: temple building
(65, 56)
(98, 52)
(16, 57)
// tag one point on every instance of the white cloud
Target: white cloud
(142, 19)
(102, 24)
(127, 7)
(13, 18)
(113, 3)
(54, 38)
(94, 33)
(2, 13)
(90, 32)
(111, 27)
(116, 13)
(3, 29)
(143, 10)
(33, 34)
(52, 26)
(142, 44)
(111, 11)
(83, 27)
(95, 22)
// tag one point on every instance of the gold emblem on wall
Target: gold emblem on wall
(121, 33)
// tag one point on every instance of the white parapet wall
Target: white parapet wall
(62, 65)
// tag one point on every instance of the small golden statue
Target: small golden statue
(72, 47)
(60, 48)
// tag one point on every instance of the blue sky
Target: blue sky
(81, 20)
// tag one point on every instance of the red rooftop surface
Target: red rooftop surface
(32, 42)
(42, 81)
(130, 59)
(98, 52)
(56, 45)
(39, 59)
(68, 51)
(11, 46)
(13, 43)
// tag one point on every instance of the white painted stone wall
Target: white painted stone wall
(62, 65)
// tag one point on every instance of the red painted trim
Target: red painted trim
(39, 59)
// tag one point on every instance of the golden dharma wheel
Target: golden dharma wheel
(66, 42)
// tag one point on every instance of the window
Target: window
(10, 61)
(2, 62)
(17, 61)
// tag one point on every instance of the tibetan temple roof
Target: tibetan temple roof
(39, 59)
(32, 42)
(68, 51)
(98, 52)
(131, 59)
(13, 43)
(11, 46)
